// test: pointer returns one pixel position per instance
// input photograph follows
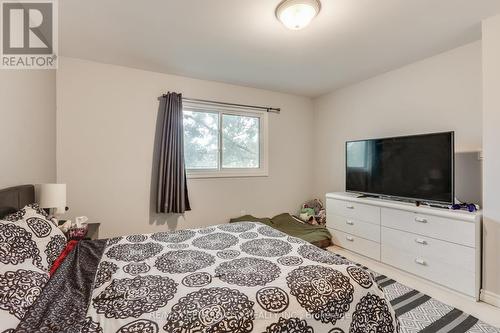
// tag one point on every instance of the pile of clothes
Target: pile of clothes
(313, 212)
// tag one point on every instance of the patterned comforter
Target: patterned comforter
(241, 277)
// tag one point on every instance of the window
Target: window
(224, 142)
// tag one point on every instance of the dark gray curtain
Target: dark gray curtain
(172, 188)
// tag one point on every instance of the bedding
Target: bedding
(29, 244)
(314, 234)
(238, 277)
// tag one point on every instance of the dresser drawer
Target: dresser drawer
(355, 227)
(362, 212)
(455, 231)
(429, 268)
(356, 244)
(459, 256)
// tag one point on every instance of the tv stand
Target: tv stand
(417, 203)
(361, 196)
(441, 245)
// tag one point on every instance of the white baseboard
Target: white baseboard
(490, 298)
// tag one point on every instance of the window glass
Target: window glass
(201, 140)
(240, 141)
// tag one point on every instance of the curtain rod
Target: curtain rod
(267, 109)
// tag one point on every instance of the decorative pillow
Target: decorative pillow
(29, 244)
(29, 225)
(22, 212)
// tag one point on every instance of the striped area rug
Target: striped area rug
(418, 312)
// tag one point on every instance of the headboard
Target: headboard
(15, 198)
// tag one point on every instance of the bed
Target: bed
(239, 277)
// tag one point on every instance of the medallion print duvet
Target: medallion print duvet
(241, 277)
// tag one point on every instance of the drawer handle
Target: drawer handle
(349, 238)
(350, 207)
(421, 241)
(420, 261)
(349, 222)
(420, 219)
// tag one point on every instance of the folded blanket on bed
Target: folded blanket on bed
(317, 235)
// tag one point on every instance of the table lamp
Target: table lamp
(51, 197)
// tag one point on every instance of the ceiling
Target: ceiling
(241, 41)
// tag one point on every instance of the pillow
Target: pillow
(31, 225)
(29, 244)
(16, 216)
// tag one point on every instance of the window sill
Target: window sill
(227, 174)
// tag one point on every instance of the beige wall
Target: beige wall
(441, 93)
(437, 94)
(106, 118)
(27, 127)
(491, 143)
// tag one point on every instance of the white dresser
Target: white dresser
(440, 245)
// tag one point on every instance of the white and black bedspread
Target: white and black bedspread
(241, 277)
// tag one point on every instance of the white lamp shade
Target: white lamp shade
(51, 195)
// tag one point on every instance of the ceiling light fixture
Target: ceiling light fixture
(297, 14)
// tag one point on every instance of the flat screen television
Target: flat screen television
(414, 168)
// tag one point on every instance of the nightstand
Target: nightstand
(93, 231)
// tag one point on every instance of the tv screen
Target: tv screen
(418, 168)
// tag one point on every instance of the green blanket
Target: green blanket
(287, 224)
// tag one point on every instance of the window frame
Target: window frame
(220, 172)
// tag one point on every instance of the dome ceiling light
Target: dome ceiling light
(297, 14)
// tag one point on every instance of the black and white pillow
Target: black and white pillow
(29, 245)
(31, 225)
